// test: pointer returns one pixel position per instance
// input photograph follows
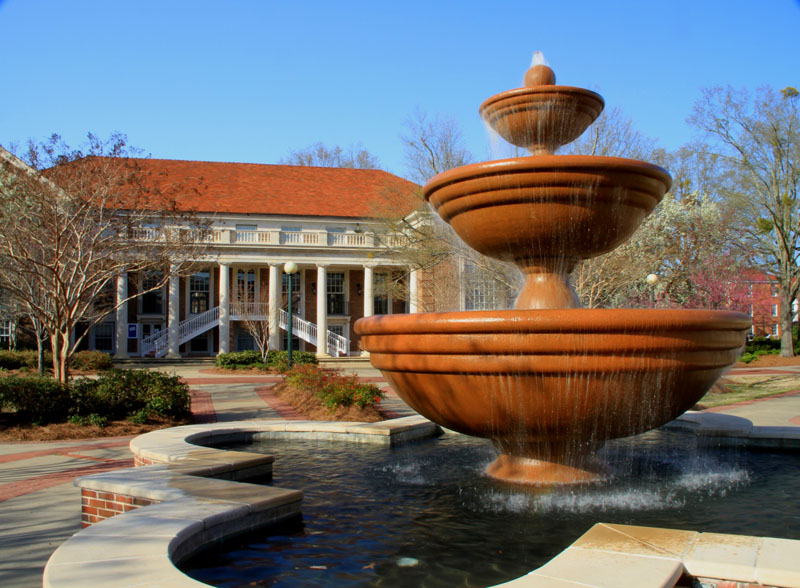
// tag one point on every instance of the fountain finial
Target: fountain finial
(539, 75)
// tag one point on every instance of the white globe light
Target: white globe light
(652, 279)
(290, 268)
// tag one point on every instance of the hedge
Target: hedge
(81, 360)
(278, 360)
(133, 394)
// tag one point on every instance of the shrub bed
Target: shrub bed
(89, 361)
(276, 360)
(333, 388)
(136, 395)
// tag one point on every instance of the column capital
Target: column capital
(224, 263)
(322, 265)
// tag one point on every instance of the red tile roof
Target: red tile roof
(218, 187)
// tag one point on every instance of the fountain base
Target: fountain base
(537, 472)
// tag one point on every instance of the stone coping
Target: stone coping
(200, 504)
(732, 431)
(200, 497)
(625, 556)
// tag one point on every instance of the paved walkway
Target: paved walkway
(40, 508)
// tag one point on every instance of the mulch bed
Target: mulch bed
(11, 430)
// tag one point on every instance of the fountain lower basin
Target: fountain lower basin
(550, 386)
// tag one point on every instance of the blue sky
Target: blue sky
(252, 80)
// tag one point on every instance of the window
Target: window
(104, 337)
(776, 330)
(8, 334)
(381, 300)
(199, 292)
(336, 298)
(152, 302)
(246, 285)
(244, 340)
(774, 310)
(480, 296)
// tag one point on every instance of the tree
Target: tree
(615, 278)
(613, 135)
(318, 155)
(256, 319)
(432, 145)
(72, 221)
(758, 136)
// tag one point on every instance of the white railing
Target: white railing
(350, 240)
(307, 331)
(249, 310)
(337, 344)
(272, 237)
(200, 323)
(252, 237)
(157, 342)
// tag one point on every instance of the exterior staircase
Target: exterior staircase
(307, 331)
(157, 344)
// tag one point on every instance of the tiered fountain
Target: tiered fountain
(550, 381)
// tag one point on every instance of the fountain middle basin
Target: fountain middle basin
(550, 386)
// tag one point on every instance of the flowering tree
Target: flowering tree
(758, 136)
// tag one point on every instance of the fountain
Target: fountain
(549, 382)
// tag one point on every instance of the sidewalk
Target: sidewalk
(40, 508)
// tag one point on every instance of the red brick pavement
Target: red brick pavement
(14, 489)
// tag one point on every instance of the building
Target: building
(765, 305)
(331, 222)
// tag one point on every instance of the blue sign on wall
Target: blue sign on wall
(133, 331)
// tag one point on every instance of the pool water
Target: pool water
(424, 515)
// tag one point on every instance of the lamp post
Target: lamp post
(291, 269)
(652, 280)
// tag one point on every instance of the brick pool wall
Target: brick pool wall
(99, 506)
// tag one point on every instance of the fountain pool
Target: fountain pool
(426, 515)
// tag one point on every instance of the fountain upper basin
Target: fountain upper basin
(548, 205)
(553, 384)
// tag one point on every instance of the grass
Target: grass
(733, 389)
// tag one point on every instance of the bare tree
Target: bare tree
(758, 136)
(318, 155)
(72, 221)
(614, 135)
(256, 318)
(433, 144)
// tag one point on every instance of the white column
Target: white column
(413, 291)
(274, 305)
(173, 316)
(121, 317)
(322, 311)
(369, 296)
(224, 308)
